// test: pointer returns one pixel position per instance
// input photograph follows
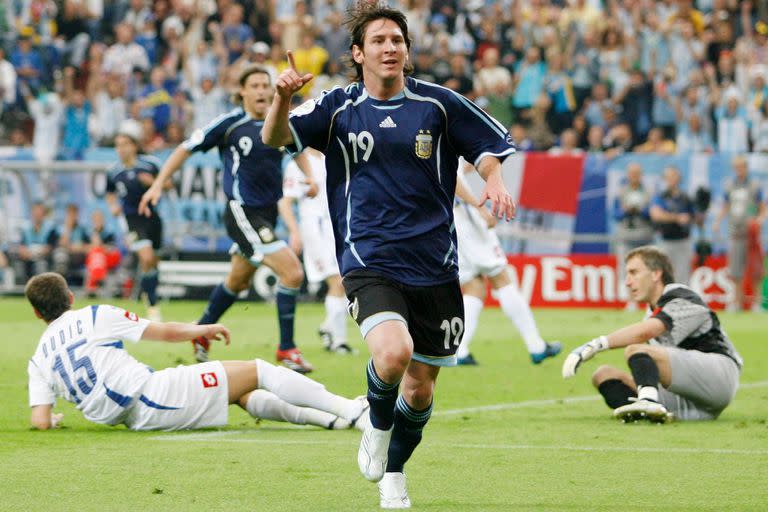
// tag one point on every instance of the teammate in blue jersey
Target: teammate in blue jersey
(126, 182)
(392, 145)
(253, 183)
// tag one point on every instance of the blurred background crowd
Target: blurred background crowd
(658, 76)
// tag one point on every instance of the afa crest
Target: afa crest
(424, 144)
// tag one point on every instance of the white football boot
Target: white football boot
(643, 410)
(392, 491)
(372, 455)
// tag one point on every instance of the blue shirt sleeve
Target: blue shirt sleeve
(310, 122)
(658, 201)
(210, 135)
(474, 133)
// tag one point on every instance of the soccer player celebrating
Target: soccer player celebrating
(128, 180)
(480, 254)
(318, 245)
(392, 145)
(682, 363)
(253, 184)
(80, 357)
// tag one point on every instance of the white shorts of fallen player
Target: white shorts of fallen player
(480, 253)
(185, 397)
(319, 249)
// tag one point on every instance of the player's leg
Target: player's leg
(379, 307)
(616, 386)
(262, 404)
(149, 279)
(516, 308)
(737, 259)
(473, 295)
(222, 297)
(335, 324)
(650, 367)
(290, 276)
(298, 390)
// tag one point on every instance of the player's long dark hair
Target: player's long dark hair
(358, 18)
(49, 295)
(236, 98)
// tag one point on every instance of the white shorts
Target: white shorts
(480, 253)
(181, 398)
(319, 249)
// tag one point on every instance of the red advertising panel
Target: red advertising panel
(551, 184)
(591, 281)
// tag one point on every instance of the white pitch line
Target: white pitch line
(551, 401)
(228, 437)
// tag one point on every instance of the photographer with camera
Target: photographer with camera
(630, 210)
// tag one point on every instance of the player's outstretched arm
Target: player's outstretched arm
(639, 332)
(178, 331)
(502, 205)
(276, 132)
(155, 191)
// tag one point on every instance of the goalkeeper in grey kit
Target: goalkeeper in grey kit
(681, 361)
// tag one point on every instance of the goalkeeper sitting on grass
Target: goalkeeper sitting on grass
(682, 363)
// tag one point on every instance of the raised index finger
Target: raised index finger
(291, 63)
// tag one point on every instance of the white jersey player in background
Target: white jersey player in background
(481, 255)
(80, 357)
(318, 245)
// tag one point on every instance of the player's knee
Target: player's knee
(293, 276)
(603, 373)
(393, 361)
(419, 397)
(631, 350)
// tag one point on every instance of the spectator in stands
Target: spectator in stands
(732, 125)
(156, 98)
(46, 110)
(618, 140)
(208, 102)
(610, 53)
(656, 143)
(743, 205)
(636, 100)
(693, 101)
(72, 245)
(237, 35)
(137, 14)
(528, 82)
(665, 96)
(7, 83)
(559, 87)
(181, 112)
(77, 111)
(72, 37)
(151, 139)
(520, 136)
(460, 78)
(538, 129)
(760, 129)
(686, 46)
(28, 63)
(309, 58)
(692, 138)
(106, 95)
(146, 37)
(334, 38)
(203, 63)
(595, 139)
(568, 144)
(331, 77)
(125, 55)
(672, 213)
(597, 104)
(37, 241)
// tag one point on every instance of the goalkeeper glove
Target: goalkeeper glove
(583, 353)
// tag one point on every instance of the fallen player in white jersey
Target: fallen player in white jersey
(481, 255)
(81, 358)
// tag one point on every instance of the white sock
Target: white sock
(517, 309)
(336, 319)
(648, 393)
(268, 406)
(473, 306)
(299, 390)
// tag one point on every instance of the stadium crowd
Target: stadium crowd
(657, 76)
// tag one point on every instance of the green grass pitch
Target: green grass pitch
(549, 444)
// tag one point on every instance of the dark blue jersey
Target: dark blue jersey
(251, 170)
(392, 173)
(126, 184)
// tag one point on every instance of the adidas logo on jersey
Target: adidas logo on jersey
(387, 123)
